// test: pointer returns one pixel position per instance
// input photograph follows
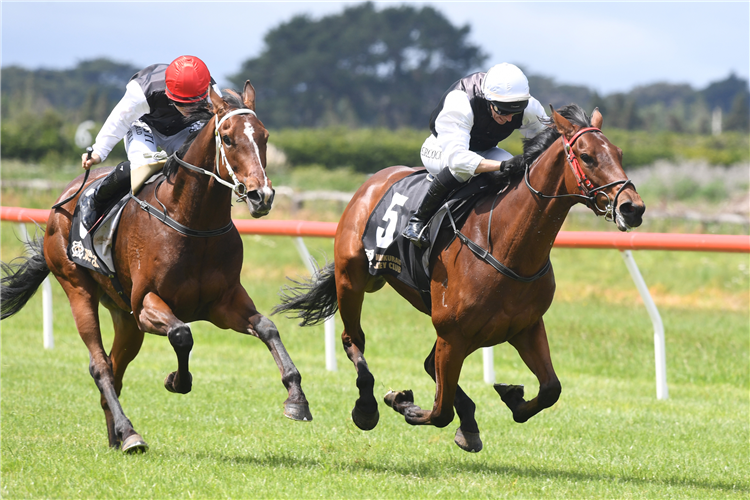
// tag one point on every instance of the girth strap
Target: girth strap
(180, 228)
(486, 256)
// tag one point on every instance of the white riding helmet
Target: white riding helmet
(505, 83)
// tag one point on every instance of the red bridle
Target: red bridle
(587, 188)
(584, 184)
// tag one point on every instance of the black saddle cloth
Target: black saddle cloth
(92, 248)
(390, 253)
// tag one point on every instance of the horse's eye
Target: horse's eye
(586, 158)
(227, 140)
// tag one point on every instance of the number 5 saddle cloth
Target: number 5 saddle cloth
(390, 253)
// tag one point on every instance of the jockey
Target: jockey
(475, 114)
(158, 110)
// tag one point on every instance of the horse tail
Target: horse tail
(314, 300)
(22, 277)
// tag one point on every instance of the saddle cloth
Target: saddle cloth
(390, 253)
(93, 249)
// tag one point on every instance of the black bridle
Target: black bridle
(589, 192)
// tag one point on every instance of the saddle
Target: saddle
(389, 253)
(92, 248)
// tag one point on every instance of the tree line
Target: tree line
(361, 68)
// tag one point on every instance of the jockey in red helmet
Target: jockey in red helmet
(162, 105)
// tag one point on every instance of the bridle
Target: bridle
(236, 186)
(589, 192)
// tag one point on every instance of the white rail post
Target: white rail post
(330, 323)
(489, 365)
(662, 391)
(47, 333)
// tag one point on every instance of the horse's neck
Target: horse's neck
(527, 225)
(197, 197)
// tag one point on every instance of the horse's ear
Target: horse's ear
(248, 95)
(562, 124)
(596, 119)
(220, 107)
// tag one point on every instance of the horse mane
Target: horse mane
(535, 146)
(204, 115)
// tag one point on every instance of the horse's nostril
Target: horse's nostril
(254, 197)
(627, 208)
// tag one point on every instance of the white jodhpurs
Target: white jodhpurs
(432, 153)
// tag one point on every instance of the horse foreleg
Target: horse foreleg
(449, 357)
(239, 314)
(533, 348)
(467, 434)
(155, 316)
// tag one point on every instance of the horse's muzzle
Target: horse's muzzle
(629, 214)
(260, 201)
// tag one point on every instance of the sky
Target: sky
(606, 46)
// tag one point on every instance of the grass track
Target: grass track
(606, 437)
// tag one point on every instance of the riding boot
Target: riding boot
(442, 184)
(116, 183)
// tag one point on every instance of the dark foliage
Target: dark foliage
(364, 67)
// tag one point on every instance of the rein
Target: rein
(237, 187)
(588, 191)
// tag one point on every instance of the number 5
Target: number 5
(384, 236)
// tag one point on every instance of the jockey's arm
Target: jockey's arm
(131, 107)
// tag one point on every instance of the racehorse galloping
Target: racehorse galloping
(473, 305)
(171, 278)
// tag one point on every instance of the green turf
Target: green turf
(607, 437)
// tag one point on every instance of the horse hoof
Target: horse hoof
(504, 389)
(169, 384)
(134, 444)
(298, 411)
(393, 398)
(468, 441)
(365, 421)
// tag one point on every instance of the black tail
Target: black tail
(314, 299)
(21, 278)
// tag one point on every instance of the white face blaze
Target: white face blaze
(265, 190)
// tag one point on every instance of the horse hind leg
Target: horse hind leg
(350, 289)
(84, 306)
(533, 348)
(125, 347)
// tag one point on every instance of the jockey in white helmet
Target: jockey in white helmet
(473, 116)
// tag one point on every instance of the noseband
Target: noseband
(236, 186)
(589, 192)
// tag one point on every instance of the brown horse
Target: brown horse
(171, 277)
(474, 305)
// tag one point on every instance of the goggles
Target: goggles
(508, 108)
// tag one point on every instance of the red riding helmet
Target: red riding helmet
(187, 79)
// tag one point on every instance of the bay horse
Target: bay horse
(171, 276)
(474, 305)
